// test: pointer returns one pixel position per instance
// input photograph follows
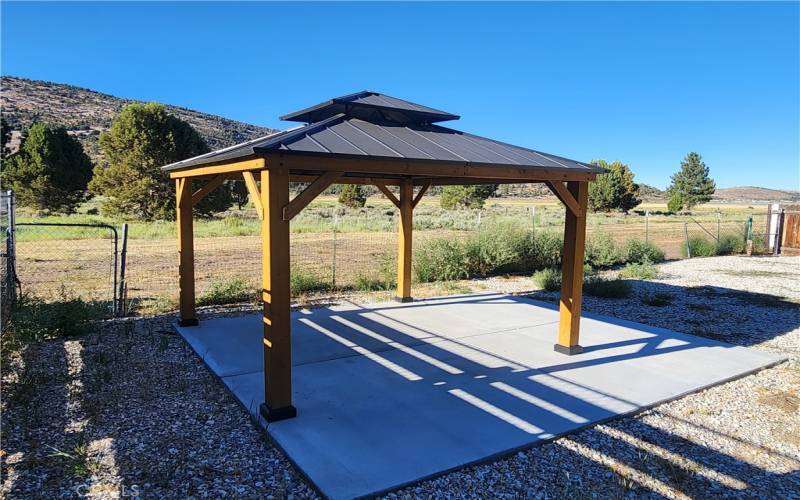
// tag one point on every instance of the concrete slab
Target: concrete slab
(388, 394)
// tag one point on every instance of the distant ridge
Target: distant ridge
(753, 194)
(85, 113)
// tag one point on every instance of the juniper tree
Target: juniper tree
(5, 133)
(466, 196)
(50, 171)
(613, 190)
(142, 139)
(353, 196)
(691, 185)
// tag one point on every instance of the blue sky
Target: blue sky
(642, 83)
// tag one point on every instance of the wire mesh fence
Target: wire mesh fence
(332, 249)
(59, 261)
(7, 275)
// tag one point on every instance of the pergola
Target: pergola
(366, 138)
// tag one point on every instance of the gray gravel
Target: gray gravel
(131, 410)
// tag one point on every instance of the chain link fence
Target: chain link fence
(332, 249)
(8, 284)
(62, 261)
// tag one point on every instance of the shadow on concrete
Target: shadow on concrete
(391, 399)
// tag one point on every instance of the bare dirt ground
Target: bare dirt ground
(130, 410)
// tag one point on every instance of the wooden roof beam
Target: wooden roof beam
(211, 185)
(372, 167)
(420, 194)
(563, 194)
(222, 168)
(311, 191)
(255, 193)
(390, 195)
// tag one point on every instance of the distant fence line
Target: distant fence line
(89, 267)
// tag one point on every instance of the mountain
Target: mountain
(85, 113)
(650, 193)
(752, 194)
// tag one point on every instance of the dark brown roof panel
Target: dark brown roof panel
(367, 125)
(371, 106)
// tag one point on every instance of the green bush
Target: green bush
(675, 202)
(548, 279)
(229, 291)
(602, 252)
(701, 247)
(640, 252)
(545, 250)
(505, 247)
(34, 319)
(759, 244)
(642, 271)
(605, 288)
(497, 248)
(730, 244)
(441, 259)
(305, 282)
(660, 299)
(466, 196)
(353, 196)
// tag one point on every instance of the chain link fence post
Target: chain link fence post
(123, 257)
(333, 265)
(686, 238)
(8, 296)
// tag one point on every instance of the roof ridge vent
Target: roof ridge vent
(373, 107)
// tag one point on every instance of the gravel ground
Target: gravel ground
(131, 411)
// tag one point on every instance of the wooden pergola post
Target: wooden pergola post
(404, 241)
(274, 196)
(572, 265)
(183, 222)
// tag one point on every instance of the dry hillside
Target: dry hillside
(750, 194)
(86, 113)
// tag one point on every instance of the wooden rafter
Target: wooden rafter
(210, 186)
(420, 194)
(387, 193)
(223, 168)
(255, 194)
(309, 193)
(566, 197)
(375, 168)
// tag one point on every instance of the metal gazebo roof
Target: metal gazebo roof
(376, 126)
(365, 138)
